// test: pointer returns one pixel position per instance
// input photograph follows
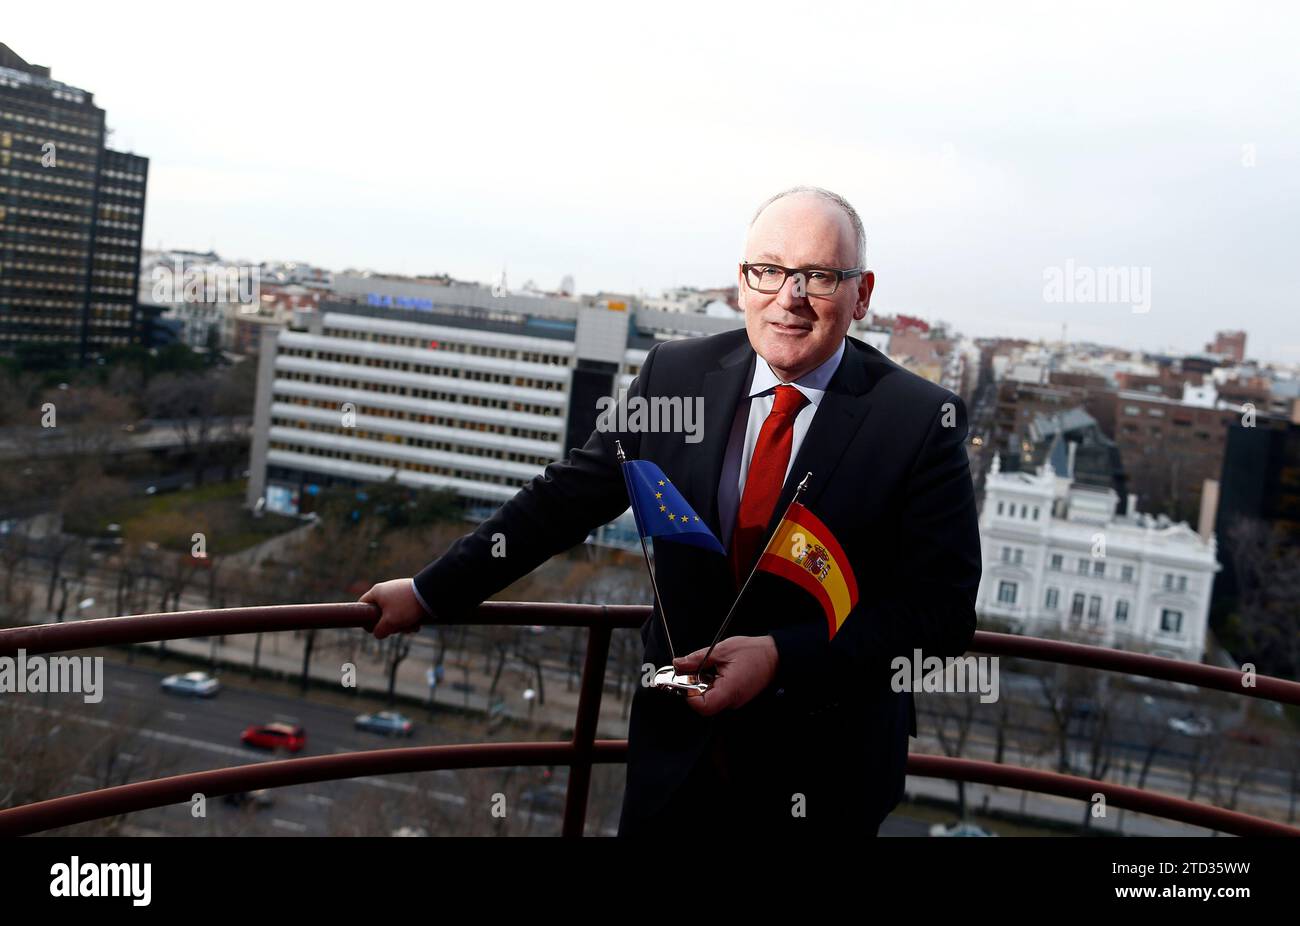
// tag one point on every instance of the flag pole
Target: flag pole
(663, 618)
(803, 484)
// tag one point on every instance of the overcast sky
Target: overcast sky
(628, 144)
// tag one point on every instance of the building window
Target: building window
(1007, 593)
(1076, 607)
(1083, 567)
(1121, 611)
(1094, 609)
(1056, 561)
(1126, 573)
(1098, 567)
(1053, 599)
(1171, 621)
(1035, 512)
(1000, 504)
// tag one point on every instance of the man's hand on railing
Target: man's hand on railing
(400, 611)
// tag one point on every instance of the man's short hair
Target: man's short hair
(835, 199)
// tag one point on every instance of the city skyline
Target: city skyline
(639, 170)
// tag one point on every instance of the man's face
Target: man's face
(796, 333)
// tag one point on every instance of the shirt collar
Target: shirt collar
(812, 384)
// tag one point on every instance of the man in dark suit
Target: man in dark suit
(799, 733)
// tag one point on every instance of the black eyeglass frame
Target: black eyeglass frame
(840, 275)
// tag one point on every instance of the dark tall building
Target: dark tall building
(71, 219)
(1260, 482)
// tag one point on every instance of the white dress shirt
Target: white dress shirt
(751, 412)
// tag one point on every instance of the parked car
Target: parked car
(1191, 725)
(544, 800)
(389, 723)
(288, 736)
(256, 799)
(193, 684)
(1083, 709)
(960, 829)
(108, 540)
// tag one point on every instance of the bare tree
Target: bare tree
(189, 402)
(1267, 569)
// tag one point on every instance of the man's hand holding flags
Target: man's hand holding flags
(801, 549)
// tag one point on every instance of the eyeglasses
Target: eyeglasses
(816, 281)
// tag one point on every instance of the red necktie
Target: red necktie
(766, 476)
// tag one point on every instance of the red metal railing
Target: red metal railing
(583, 749)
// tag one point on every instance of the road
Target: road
(197, 734)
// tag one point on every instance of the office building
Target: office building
(446, 386)
(71, 219)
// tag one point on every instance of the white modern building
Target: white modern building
(447, 387)
(1060, 562)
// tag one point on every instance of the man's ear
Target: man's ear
(865, 287)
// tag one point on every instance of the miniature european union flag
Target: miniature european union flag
(660, 509)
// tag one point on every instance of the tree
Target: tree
(188, 400)
(1266, 619)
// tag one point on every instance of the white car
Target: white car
(194, 684)
(390, 723)
(1190, 725)
(959, 829)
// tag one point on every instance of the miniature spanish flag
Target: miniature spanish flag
(803, 550)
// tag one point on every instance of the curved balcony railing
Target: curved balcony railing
(583, 749)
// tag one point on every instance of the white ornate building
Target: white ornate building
(1060, 562)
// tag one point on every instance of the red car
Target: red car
(275, 736)
(1252, 737)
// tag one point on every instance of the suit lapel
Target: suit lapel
(723, 389)
(842, 410)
